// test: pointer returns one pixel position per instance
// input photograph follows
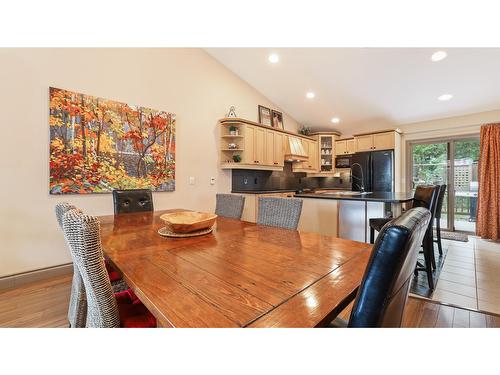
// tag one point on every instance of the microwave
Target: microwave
(343, 161)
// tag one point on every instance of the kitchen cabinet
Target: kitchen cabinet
(269, 148)
(278, 151)
(364, 143)
(377, 141)
(262, 147)
(345, 146)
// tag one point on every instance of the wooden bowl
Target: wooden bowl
(188, 221)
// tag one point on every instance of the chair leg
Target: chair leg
(438, 235)
(428, 261)
(431, 253)
(372, 235)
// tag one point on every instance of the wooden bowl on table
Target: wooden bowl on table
(188, 221)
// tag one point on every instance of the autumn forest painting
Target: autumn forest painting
(97, 145)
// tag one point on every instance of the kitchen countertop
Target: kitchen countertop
(372, 197)
(275, 191)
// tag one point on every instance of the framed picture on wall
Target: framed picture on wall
(264, 115)
(277, 119)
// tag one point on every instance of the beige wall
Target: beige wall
(443, 129)
(187, 82)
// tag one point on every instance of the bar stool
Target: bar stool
(438, 218)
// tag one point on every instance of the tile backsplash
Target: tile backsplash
(252, 180)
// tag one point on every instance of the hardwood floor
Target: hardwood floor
(45, 304)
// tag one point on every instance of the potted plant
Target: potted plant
(305, 130)
(233, 130)
(236, 158)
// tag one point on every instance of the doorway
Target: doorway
(452, 162)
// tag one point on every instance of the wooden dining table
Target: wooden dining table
(240, 275)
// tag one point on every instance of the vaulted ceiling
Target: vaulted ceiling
(369, 88)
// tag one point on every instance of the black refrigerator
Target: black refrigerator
(373, 170)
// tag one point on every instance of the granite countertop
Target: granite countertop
(276, 191)
(372, 197)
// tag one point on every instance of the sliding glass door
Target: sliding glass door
(454, 163)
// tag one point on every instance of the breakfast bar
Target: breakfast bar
(356, 208)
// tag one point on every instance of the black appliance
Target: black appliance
(373, 171)
(343, 161)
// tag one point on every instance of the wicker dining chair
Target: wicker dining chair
(105, 309)
(77, 311)
(229, 205)
(279, 212)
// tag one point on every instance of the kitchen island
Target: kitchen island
(355, 209)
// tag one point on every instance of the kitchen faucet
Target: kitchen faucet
(362, 176)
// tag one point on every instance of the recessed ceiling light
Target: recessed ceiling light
(445, 97)
(335, 120)
(273, 58)
(310, 95)
(439, 55)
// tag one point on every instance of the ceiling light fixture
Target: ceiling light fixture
(445, 97)
(438, 56)
(310, 95)
(273, 58)
(335, 120)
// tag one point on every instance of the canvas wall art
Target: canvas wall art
(97, 145)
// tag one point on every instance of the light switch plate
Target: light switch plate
(191, 180)
(212, 180)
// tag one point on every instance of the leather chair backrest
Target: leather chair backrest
(383, 292)
(440, 201)
(134, 200)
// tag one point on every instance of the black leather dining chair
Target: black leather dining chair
(383, 292)
(437, 216)
(133, 200)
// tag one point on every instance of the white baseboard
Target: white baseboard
(14, 281)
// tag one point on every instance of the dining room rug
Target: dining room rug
(419, 285)
(453, 236)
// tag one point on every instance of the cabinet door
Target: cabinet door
(259, 145)
(313, 155)
(340, 147)
(351, 146)
(383, 141)
(269, 148)
(364, 143)
(249, 152)
(279, 155)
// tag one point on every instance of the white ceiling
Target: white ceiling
(369, 88)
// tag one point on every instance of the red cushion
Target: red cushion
(133, 314)
(112, 273)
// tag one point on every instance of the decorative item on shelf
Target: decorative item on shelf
(264, 115)
(233, 130)
(232, 112)
(237, 158)
(305, 130)
(232, 146)
(277, 119)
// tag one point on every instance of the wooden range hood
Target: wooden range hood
(294, 151)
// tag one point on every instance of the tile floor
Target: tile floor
(470, 276)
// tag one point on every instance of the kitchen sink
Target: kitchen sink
(346, 192)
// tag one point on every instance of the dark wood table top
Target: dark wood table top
(241, 275)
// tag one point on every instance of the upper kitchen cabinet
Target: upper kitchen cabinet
(385, 140)
(325, 152)
(345, 146)
(249, 145)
